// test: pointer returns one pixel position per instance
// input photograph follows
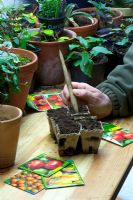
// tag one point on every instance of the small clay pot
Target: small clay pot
(10, 118)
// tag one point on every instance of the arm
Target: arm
(119, 86)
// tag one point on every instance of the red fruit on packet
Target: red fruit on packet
(118, 138)
(128, 136)
(122, 133)
(35, 164)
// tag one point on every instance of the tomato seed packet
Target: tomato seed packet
(120, 137)
(26, 181)
(44, 165)
(43, 102)
(66, 177)
(54, 100)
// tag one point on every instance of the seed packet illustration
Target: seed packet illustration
(54, 100)
(66, 177)
(110, 127)
(44, 165)
(120, 137)
(26, 181)
(38, 102)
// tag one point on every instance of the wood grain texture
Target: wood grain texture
(101, 172)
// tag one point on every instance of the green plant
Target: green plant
(84, 51)
(47, 35)
(128, 38)
(103, 12)
(9, 71)
(72, 17)
(15, 24)
(51, 8)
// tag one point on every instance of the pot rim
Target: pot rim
(20, 113)
(57, 42)
(86, 26)
(27, 52)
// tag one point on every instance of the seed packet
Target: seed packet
(66, 177)
(54, 100)
(44, 165)
(43, 102)
(26, 181)
(110, 127)
(120, 137)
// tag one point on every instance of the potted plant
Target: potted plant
(79, 21)
(50, 69)
(87, 59)
(52, 14)
(16, 73)
(125, 6)
(106, 15)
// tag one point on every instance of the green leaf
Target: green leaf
(73, 46)
(86, 63)
(15, 79)
(129, 29)
(63, 38)
(82, 41)
(124, 41)
(99, 50)
(71, 55)
(48, 32)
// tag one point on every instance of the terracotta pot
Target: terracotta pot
(86, 30)
(10, 117)
(119, 15)
(50, 69)
(115, 19)
(26, 75)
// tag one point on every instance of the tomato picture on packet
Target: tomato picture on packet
(121, 137)
(54, 100)
(44, 165)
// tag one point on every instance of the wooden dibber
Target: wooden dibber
(68, 83)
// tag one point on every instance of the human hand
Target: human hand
(98, 103)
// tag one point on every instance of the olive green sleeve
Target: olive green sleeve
(119, 86)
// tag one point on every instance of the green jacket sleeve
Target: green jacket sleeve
(119, 86)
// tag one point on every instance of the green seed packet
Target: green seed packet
(44, 165)
(66, 177)
(120, 137)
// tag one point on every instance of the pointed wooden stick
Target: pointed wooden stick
(68, 83)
